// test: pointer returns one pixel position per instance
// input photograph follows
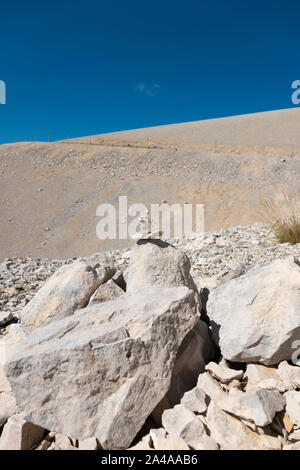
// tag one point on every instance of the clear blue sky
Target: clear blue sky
(76, 68)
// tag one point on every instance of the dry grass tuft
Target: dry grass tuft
(283, 215)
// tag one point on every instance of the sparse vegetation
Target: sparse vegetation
(283, 214)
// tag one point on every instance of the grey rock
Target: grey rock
(108, 291)
(155, 262)
(183, 423)
(290, 375)
(256, 317)
(68, 289)
(223, 374)
(195, 400)
(110, 362)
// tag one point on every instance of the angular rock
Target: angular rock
(293, 406)
(88, 444)
(290, 375)
(273, 385)
(223, 374)
(195, 400)
(5, 318)
(183, 423)
(256, 405)
(108, 291)
(232, 434)
(256, 317)
(257, 373)
(210, 386)
(110, 362)
(155, 262)
(67, 290)
(18, 434)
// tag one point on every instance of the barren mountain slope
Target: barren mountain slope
(50, 191)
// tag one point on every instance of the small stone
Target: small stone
(256, 373)
(183, 423)
(210, 386)
(256, 405)
(273, 385)
(195, 400)
(88, 444)
(290, 375)
(222, 373)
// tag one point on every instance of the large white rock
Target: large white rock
(103, 370)
(256, 317)
(155, 262)
(18, 434)
(67, 290)
(257, 405)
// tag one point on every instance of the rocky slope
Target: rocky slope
(50, 191)
(201, 351)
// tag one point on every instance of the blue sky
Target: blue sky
(87, 67)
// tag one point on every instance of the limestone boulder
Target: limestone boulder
(155, 262)
(256, 317)
(100, 372)
(67, 290)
